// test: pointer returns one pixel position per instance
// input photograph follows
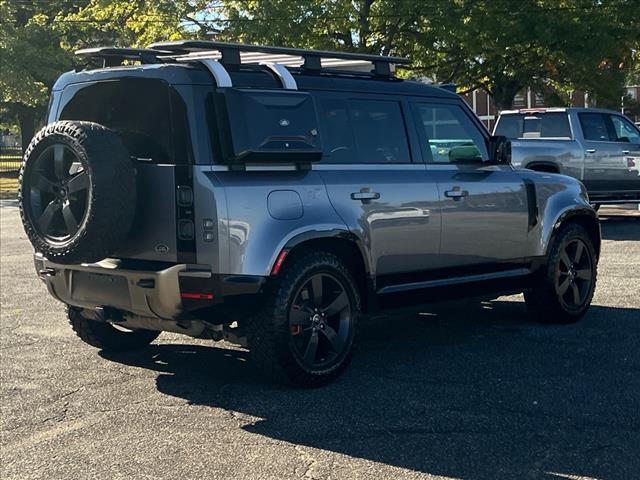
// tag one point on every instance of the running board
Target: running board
(443, 282)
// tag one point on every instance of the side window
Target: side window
(379, 131)
(625, 130)
(363, 131)
(449, 134)
(337, 133)
(594, 127)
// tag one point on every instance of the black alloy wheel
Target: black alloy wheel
(77, 193)
(320, 322)
(59, 193)
(564, 287)
(574, 274)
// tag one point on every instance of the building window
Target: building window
(519, 100)
(539, 99)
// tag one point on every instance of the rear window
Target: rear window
(538, 125)
(148, 114)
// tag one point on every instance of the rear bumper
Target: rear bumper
(168, 293)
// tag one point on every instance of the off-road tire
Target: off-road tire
(111, 201)
(543, 300)
(268, 332)
(105, 336)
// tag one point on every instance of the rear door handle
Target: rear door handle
(456, 193)
(590, 150)
(365, 195)
(625, 152)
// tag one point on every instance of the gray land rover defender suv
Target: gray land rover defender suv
(271, 196)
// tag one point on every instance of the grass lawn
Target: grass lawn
(8, 188)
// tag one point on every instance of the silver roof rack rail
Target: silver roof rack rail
(283, 74)
(230, 54)
(218, 71)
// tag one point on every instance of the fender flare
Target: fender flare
(334, 233)
(581, 211)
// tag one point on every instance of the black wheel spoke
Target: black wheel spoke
(316, 290)
(564, 286)
(334, 339)
(43, 184)
(58, 162)
(576, 293)
(44, 221)
(564, 258)
(584, 274)
(312, 348)
(78, 183)
(339, 304)
(578, 254)
(299, 316)
(69, 219)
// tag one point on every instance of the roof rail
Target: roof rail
(114, 56)
(230, 54)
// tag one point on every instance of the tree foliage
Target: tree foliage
(500, 46)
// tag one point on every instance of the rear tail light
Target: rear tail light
(186, 230)
(197, 296)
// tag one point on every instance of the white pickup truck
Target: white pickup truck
(599, 147)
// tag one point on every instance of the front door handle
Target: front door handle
(364, 195)
(456, 193)
(590, 150)
(625, 152)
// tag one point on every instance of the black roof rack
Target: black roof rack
(230, 54)
(114, 56)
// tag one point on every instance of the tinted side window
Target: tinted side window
(594, 127)
(337, 134)
(140, 110)
(625, 130)
(379, 131)
(555, 125)
(510, 126)
(450, 135)
(363, 131)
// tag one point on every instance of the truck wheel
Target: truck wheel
(568, 280)
(77, 192)
(105, 336)
(306, 331)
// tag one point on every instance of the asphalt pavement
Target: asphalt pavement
(464, 390)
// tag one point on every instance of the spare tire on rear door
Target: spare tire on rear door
(77, 192)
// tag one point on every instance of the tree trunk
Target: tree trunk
(27, 121)
(504, 92)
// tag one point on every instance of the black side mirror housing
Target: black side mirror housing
(500, 149)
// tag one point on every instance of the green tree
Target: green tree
(30, 61)
(500, 46)
(37, 40)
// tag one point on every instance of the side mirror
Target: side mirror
(500, 149)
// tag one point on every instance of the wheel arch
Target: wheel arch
(341, 243)
(587, 219)
(541, 166)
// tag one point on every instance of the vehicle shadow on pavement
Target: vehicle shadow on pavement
(468, 391)
(620, 228)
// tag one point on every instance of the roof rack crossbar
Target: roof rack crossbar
(114, 56)
(230, 54)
